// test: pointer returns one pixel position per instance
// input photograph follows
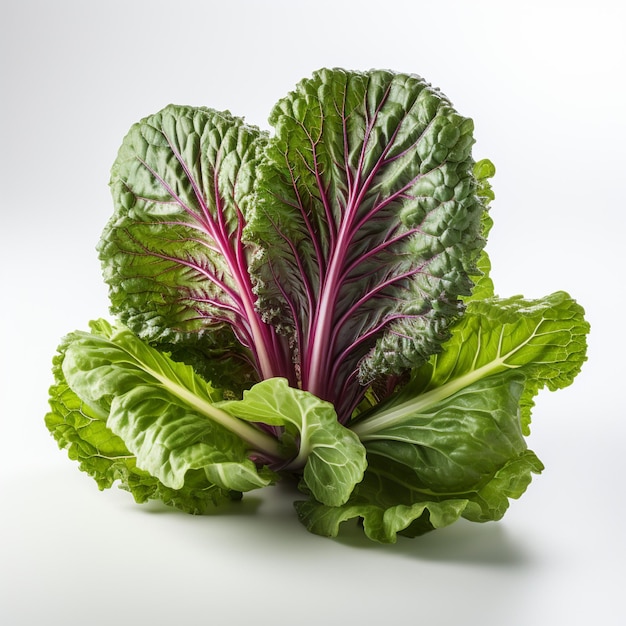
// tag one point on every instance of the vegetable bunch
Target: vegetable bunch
(312, 305)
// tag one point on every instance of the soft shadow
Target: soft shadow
(247, 506)
(270, 511)
(486, 544)
(276, 502)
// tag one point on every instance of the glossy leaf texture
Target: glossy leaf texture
(369, 225)
(165, 414)
(172, 253)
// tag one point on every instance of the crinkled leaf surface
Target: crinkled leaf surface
(163, 412)
(389, 505)
(544, 340)
(483, 285)
(332, 456)
(172, 253)
(456, 432)
(369, 224)
(455, 442)
(83, 432)
(338, 262)
(463, 456)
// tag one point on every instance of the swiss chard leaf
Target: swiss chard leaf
(313, 305)
(463, 456)
(165, 414)
(369, 224)
(332, 456)
(172, 252)
(454, 443)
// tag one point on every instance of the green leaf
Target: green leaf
(465, 457)
(332, 456)
(163, 412)
(368, 223)
(172, 252)
(451, 443)
(544, 340)
(483, 285)
(389, 505)
(100, 453)
(454, 444)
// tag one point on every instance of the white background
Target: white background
(544, 83)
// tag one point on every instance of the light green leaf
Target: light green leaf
(451, 443)
(544, 340)
(332, 456)
(100, 453)
(483, 285)
(163, 412)
(459, 442)
(464, 457)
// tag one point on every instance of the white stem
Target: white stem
(259, 441)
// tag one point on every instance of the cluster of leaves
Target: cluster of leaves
(314, 304)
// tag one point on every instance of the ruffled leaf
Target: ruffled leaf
(369, 225)
(331, 457)
(451, 443)
(83, 432)
(389, 506)
(483, 285)
(172, 252)
(543, 340)
(164, 413)
(464, 456)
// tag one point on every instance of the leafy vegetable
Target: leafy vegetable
(453, 436)
(332, 456)
(83, 431)
(165, 414)
(369, 224)
(173, 252)
(314, 305)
